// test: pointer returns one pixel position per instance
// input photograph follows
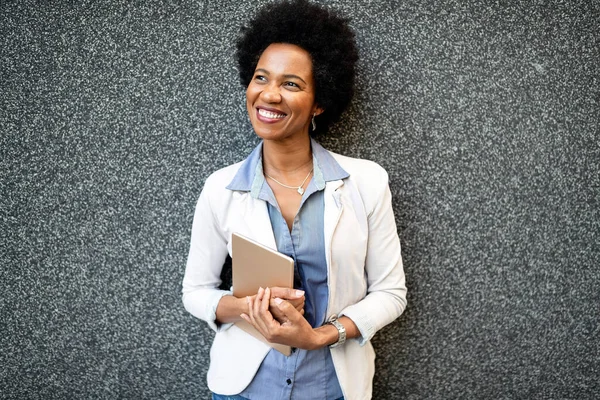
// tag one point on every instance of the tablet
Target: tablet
(253, 266)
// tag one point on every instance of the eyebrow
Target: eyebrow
(287, 76)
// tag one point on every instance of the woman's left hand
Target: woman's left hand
(293, 331)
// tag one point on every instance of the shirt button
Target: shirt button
(289, 381)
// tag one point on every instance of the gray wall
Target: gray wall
(485, 114)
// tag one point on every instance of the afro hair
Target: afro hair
(323, 33)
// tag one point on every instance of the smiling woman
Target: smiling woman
(281, 96)
(331, 214)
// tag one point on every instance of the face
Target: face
(281, 96)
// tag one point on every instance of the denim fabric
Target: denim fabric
(225, 397)
(304, 374)
(306, 245)
(238, 397)
(249, 178)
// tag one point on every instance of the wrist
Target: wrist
(229, 309)
(327, 335)
(341, 331)
(242, 304)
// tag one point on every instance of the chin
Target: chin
(279, 134)
(266, 133)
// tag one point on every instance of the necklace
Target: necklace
(299, 189)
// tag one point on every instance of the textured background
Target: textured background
(485, 114)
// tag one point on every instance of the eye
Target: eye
(260, 78)
(291, 85)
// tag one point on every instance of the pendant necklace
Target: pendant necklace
(298, 189)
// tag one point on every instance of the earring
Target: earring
(314, 124)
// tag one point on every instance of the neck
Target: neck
(287, 158)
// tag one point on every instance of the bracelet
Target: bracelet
(341, 331)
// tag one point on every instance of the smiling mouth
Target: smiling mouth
(270, 114)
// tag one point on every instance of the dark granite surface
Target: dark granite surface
(485, 114)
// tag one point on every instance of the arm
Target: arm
(208, 250)
(386, 287)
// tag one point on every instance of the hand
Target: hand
(294, 331)
(294, 296)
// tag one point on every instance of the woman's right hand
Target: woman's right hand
(230, 307)
(294, 296)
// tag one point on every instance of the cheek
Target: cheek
(249, 98)
(253, 93)
(306, 105)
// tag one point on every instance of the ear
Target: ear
(317, 110)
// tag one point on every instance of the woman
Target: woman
(331, 214)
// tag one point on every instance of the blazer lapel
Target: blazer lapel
(258, 221)
(333, 212)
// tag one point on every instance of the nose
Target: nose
(270, 93)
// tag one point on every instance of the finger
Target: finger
(262, 318)
(249, 313)
(276, 312)
(289, 311)
(252, 304)
(255, 304)
(258, 301)
(265, 314)
(298, 303)
(260, 293)
(287, 293)
(265, 300)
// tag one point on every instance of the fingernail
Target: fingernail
(277, 300)
(248, 299)
(299, 293)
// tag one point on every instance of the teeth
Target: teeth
(270, 114)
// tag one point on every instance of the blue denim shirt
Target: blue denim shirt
(304, 374)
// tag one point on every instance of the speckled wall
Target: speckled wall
(485, 114)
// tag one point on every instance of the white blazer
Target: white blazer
(365, 274)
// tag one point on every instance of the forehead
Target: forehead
(286, 59)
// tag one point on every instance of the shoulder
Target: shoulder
(221, 177)
(365, 173)
(215, 190)
(368, 182)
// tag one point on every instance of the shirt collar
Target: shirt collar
(250, 178)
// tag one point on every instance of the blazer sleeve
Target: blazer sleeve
(208, 251)
(386, 285)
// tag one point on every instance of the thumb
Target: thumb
(286, 308)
